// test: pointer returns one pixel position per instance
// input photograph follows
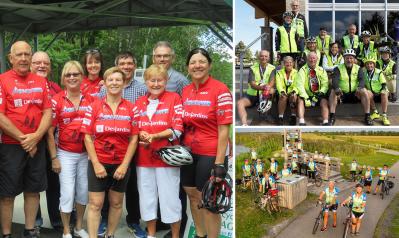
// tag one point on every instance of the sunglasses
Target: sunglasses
(68, 75)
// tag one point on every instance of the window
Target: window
(318, 19)
(346, 1)
(392, 17)
(342, 20)
(320, 1)
(393, 1)
(373, 1)
(373, 22)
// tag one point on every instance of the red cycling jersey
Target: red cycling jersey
(53, 88)
(111, 132)
(203, 110)
(22, 100)
(91, 87)
(69, 121)
(168, 114)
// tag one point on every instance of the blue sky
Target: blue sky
(246, 27)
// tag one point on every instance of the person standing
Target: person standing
(351, 40)
(25, 117)
(93, 67)
(299, 23)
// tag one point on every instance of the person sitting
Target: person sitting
(258, 80)
(388, 67)
(285, 85)
(267, 182)
(348, 84)
(312, 86)
(310, 47)
(332, 59)
(376, 89)
(286, 172)
(366, 48)
(323, 40)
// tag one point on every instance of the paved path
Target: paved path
(302, 226)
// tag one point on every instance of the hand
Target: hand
(219, 172)
(308, 103)
(338, 92)
(32, 152)
(56, 165)
(120, 172)
(315, 99)
(28, 141)
(99, 170)
(143, 136)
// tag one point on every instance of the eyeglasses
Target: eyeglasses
(68, 75)
(91, 51)
(37, 63)
(163, 56)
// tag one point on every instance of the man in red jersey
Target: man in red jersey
(25, 116)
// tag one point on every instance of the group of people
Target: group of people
(315, 71)
(100, 137)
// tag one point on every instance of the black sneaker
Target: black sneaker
(302, 124)
(325, 124)
(332, 119)
(292, 120)
(30, 234)
(7, 236)
(280, 121)
(394, 98)
(368, 121)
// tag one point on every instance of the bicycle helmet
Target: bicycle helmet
(350, 52)
(216, 197)
(176, 155)
(366, 33)
(385, 49)
(264, 105)
(288, 14)
(370, 58)
(311, 39)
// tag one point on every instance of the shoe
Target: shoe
(30, 234)
(332, 120)
(7, 236)
(385, 121)
(136, 230)
(394, 98)
(280, 121)
(325, 124)
(374, 193)
(302, 124)
(334, 225)
(102, 228)
(375, 115)
(368, 121)
(67, 235)
(357, 233)
(292, 120)
(81, 233)
(323, 229)
(109, 236)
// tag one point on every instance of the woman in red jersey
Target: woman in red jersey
(68, 157)
(111, 141)
(208, 110)
(160, 120)
(92, 63)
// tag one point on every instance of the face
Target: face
(295, 6)
(331, 185)
(366, 39)
(288, 19)
(264, 57)
(93, 66)
(72, 78)
(156, 85)
(41, 64)
(20, 57)
(198, 67)
(369, 66)
(385, 56)
(311, 46)
(312, 61)
(323, 34)
(288, 64)
(352, 30)
(128, 66)
(359, 189)
(272, 160)
(334, 49)
(163, 56)
(246, 161)
(114, 84)
(349, 60)
(285, 166)
(259, 161)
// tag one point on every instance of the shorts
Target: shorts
(21, 173)
(197, 173)
(253, 99)
(357, 214)
(376, 97)
(353, 172)
(380, 182)
(107, 183)
(163, 184)
(349, 98)
(332, 208)
(368, 183)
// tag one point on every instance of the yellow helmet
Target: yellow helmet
(370, 58)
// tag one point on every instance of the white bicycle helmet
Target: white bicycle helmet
(176, 155)
(385, 49)
(350, 52)
(366, 33)
(264, 106)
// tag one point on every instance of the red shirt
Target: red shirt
(53, 88)
(111, 132)
(69, 121)
(22, 100)
(91, 87)
(167, 115)
(203, 110)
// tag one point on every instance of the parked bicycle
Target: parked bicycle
(269, 202)
(256, 195)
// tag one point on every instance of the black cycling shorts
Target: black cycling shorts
(253, 99)
(197, 173)
(107, 183)
(368, 183)
(332, 208)
(21, 173)
(357, 214)
(380, 182)
(349, 98)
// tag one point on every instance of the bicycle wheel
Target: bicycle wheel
(387, 191)
(317, 222)
(269, 207)
(318, 181)
(382, 191)
(275, 206)
(346, 229)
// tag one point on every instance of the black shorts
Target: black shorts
(380, 182)
(107, 183)
(376, 97)
(253, 99)
(357, 214)
(332, 208)
(21, 173)
(349, 98)
(367, 183)
(197, 173)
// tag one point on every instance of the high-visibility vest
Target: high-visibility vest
(287, 42)
(358, 202)
(319, 43)
(283, 84)
(299, 25)
(353, 166)
(347, 42)
(346, 85)
(371, 50)
(387, 71)
(303, 81)
(374, 84)
(257, 74)
(330, 62)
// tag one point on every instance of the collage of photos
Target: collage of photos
(199, 118)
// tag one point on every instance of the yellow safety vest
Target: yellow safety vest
(346, 85)
(287, 42)
(257, 74)
(347, 42)
(326, 46)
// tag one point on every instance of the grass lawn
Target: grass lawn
(388, 142)
(388, 224)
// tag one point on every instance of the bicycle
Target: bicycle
(348, 220)
(244, 184)
(269, 202)
(255, 182)
(385, 187)
(317, 179)
(320, 217)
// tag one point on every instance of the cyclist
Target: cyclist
(358, 200)
(366, 48)
(331, 193)
(323, 40)
(253, 154)
(388, 67)
(287, 38)
(286, 171)
(268, 182)
(383, 174)
(310, 47)
(294, 166)
(353, 169)
(273, 167)
(259, 167)
(351, 40)
(246, 170)
(332, 59)
(312, 168)
(368, 178)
